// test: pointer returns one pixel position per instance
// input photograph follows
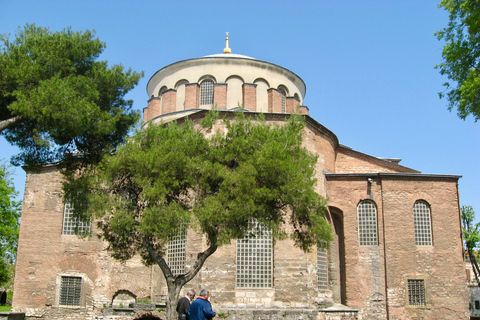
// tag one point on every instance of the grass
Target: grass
(5, 308)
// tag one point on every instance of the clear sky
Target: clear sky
(368, 65)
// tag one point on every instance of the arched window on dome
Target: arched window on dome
(162, 91)
(283, 90)
(367, 223)
(206, 93)
(422, 223)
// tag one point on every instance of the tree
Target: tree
(461, 57)
(170, 176)
(471, 237)
(57, 102)
(9, 224)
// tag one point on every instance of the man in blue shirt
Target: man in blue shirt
(201, 309)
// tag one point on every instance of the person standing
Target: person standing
(183, 305)
(201, 309)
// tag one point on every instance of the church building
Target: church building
(397, 251)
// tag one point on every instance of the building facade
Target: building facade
(397, 250)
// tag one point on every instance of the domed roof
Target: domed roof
(228, 55)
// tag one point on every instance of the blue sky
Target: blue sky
(368, 65)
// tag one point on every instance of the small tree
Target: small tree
(57, 100)
(9, 224)
(461, 57)
(174, 175)
(471, 237)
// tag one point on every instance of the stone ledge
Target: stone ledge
(12, 315)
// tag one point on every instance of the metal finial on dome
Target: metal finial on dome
(227, 49)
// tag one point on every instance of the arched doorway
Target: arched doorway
(337, 276)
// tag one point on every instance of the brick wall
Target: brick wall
(44, 255)
(274, 100)
(192, 96)
(153, 109)
(220, 95)
(292, 105)
(249, 96)
(169, 101)
(376, 275)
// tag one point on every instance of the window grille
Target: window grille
(284, 101)
(71, 225)
(367, 223)
(176, 252)
(206, 93)
(422, 222)
(416, 292)
(255, 259)
(70, 291)
(322, 268)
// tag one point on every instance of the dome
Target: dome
(224, 81)
(229, 55)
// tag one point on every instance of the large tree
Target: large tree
(57, 100)
(9, 223)
(216, 182)
(471, 238)
(461, 57)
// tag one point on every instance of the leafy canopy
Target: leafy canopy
(461, 57)
(215, 176)
(471, 238)
(9, 224)
(57, 99)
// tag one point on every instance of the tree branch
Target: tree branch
(8, 123)
(201, 257)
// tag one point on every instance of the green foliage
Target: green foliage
(471, 238)
(471, 230)
(5, 308)
(57, 99)
(9, 225)
(171, 175)
(215, 176)
(461, 57)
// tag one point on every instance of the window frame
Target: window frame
(70, 225)
(207, 92)
(367, 228)
(410, 282)
(254, 259)
(322, 266)
(176, 251)
(422, 222)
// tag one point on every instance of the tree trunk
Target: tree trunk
(176, 283)
(172, 299)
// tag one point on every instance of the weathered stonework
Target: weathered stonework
(363, 282)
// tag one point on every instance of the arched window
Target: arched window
(162, 91)
(283, 91)
(322, 266)
(367, 223)
(206, 93)
(422, 223)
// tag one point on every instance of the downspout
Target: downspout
(384, 251)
